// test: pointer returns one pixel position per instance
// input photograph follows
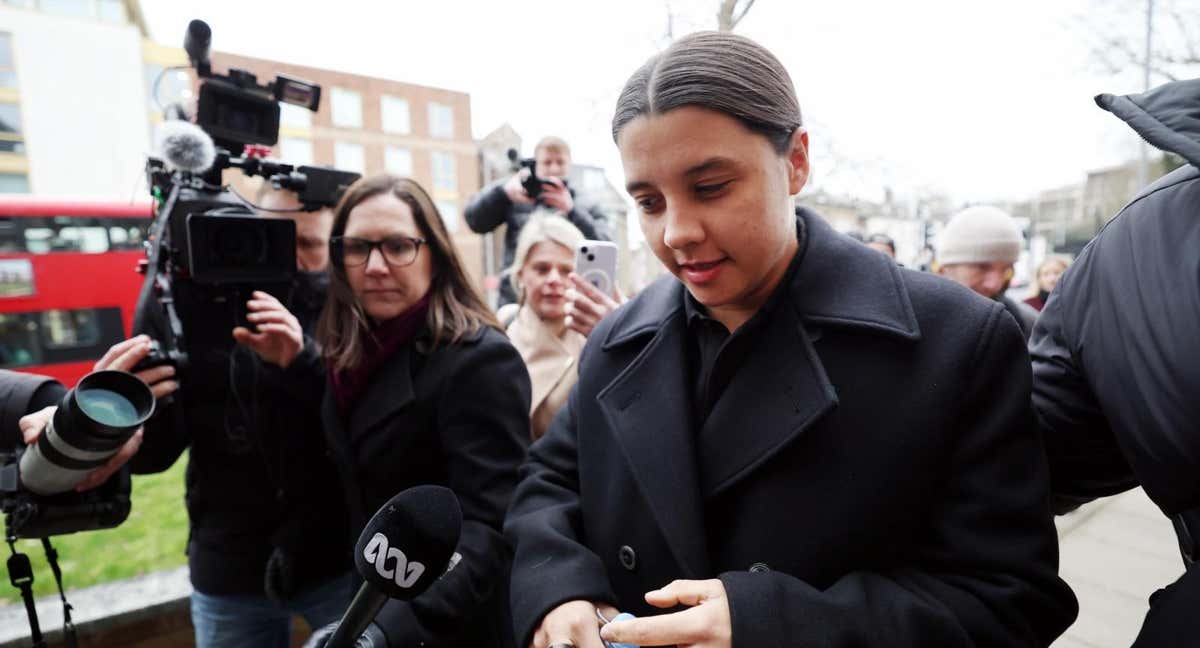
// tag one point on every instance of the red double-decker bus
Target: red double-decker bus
(68, 281)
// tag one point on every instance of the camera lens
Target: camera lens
(591, 257)
(235, 244)
(584, 250)
(91, 424)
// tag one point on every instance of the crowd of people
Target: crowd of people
(788, 439)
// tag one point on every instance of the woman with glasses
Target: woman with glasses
(423, 388)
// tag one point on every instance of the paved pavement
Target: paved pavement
(1114, 554)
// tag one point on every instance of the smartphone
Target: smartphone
(596, 262)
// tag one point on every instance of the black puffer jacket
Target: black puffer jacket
(1116, 351)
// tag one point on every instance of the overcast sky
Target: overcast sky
(981, 100)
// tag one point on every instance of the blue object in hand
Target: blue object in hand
(621, 617)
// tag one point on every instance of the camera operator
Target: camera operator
(268, 536)
(507, 202)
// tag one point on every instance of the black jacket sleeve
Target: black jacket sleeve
(592, 221)
(483, 421)
(165, 435)
(489, 208)
(545, 526)
(1085, 460)
(985, 575)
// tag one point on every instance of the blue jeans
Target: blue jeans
(254, 621)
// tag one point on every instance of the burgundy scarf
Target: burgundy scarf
(384, 339)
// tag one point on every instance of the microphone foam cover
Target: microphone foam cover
(185, 146)
(408, 544)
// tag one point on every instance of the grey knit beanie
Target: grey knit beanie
(979, 235)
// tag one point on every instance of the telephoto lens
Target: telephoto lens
(93, 421)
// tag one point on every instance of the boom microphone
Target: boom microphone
(405, 547)
(185, 146)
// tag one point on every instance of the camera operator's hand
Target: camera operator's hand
(124, 355)
(280, 337)
(555, 194)
(586, 305)
(515, 191)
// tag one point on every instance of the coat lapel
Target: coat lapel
(649, 409)
(391, 388)
(780, 390)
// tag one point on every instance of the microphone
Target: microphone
(406, 546)
(185, 146)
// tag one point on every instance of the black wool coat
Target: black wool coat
(457, 416)
(870, 477)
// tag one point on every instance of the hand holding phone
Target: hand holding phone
(596, 262)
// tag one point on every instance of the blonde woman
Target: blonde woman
(542, 266)
(1048, 272)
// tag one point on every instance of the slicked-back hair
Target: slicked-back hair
(719, 71)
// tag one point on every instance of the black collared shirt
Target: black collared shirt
(715, 353)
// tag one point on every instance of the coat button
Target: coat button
(758, 568)
(628, 557)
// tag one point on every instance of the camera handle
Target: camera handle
(20, 574)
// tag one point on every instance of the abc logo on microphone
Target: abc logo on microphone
(409, 543)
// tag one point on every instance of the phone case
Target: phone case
(596, 262)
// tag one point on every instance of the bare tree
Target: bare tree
(1115, 30)
(731, 13)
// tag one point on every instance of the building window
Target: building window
(395, 115)
(14, 183)
(347, 108)
(398, 161)
(290, 115)
(112, 11)
(73, 8)
(8, 67)
(11, 140)
(445, 173)
(449, 212)
(175, 85)
(349, 157)
(441, 120)
(296, 150)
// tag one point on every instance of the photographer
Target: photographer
(508, 203)
(268, 535)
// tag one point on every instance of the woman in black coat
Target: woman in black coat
(424, 388)
(791, 442)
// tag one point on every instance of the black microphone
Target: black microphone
(405, 547)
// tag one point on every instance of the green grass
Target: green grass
(153, 538)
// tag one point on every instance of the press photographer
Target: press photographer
(61, 454)
(541, 180)
(232, 298)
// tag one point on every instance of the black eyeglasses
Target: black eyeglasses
(396, 250)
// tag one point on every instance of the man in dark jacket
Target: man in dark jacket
(1116, 353)
(269, 537)
(506, 202)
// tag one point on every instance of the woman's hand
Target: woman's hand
(573, 623)
(280, 336)
(586, 305)
(705, 624)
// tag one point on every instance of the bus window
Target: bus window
(18, 341)
(63, 329)
(10, 236)
(16, 278)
